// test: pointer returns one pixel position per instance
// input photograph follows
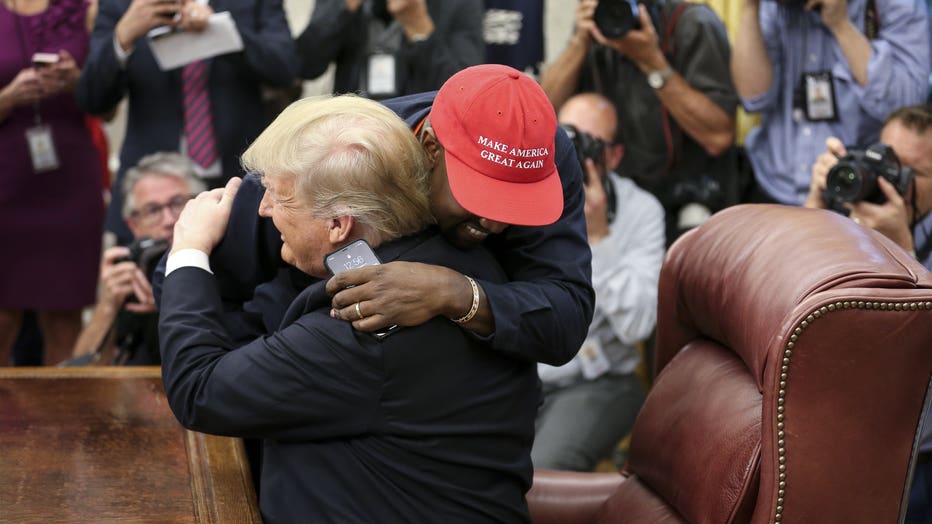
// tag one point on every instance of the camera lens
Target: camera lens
(615, 18)
(849, 182)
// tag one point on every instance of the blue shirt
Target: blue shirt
(783, 148)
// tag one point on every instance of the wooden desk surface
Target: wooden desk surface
(100, 444)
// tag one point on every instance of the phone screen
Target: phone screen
(44, 59)
(354, 255)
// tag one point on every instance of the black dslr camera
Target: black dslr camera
(615, 18)
(146, 252)
(593, 148)
(854, 177)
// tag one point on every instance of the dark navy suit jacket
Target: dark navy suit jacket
(423, 426)
(542, 314)
(155, 120)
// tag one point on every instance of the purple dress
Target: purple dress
(50, 222)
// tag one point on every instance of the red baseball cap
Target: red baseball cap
(497, 128)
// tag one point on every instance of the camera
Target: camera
(592, 148)
(587, 146)
(615, 18)
(146, 252)
(854, 177)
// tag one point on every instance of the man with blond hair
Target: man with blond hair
(356, 427)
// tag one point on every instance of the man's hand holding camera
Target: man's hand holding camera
(834, 13)
(596, 206)
(585, 23)
(891, 218)
(121, 278)
(641, 46)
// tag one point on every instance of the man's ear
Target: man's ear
(432, 147)
(339, 228)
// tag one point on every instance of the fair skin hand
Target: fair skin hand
(26, 88)
(700, 118)
(353, 5)
(834, 149)
(641, 46)
(204, 219)
(194, 16)
(120, 279)
(143, 16)
(892, 218)
(60, 77)
(596, 207)
(412, 15)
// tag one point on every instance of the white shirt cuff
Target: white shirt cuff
(187, 258)
(121, 55)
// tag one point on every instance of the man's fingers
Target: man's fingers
(362, 317)
(229, 191)
(646, 22)
(889, 191)
(353, 277)
(115, 253)
(835, 146)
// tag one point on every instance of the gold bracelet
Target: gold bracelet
(475, 303)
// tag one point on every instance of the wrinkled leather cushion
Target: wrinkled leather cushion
(635, 503)
(697, 441)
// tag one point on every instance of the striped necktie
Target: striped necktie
(198, 122)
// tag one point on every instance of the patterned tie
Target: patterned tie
(198, 123)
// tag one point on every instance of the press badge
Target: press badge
(42, 148)
(592, 359)
(819, 96)
(380, 81)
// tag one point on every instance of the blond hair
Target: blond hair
(348, 156)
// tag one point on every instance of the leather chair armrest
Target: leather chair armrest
(564, 497)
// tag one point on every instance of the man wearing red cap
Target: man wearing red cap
(501, 175)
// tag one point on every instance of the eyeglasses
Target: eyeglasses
(152, 213)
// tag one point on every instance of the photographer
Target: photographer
(591, 402)
(900, 217)
(123, 326)
(906, 220)
(665, 67)
(821, 68)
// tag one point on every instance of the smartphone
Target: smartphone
(354, 255)
(44, 59)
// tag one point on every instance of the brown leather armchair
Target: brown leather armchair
(793, 355)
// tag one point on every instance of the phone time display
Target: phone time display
(354, 262)
(355, 255)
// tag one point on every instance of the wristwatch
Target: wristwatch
(658, 79)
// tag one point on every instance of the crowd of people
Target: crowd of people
(517, 224)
